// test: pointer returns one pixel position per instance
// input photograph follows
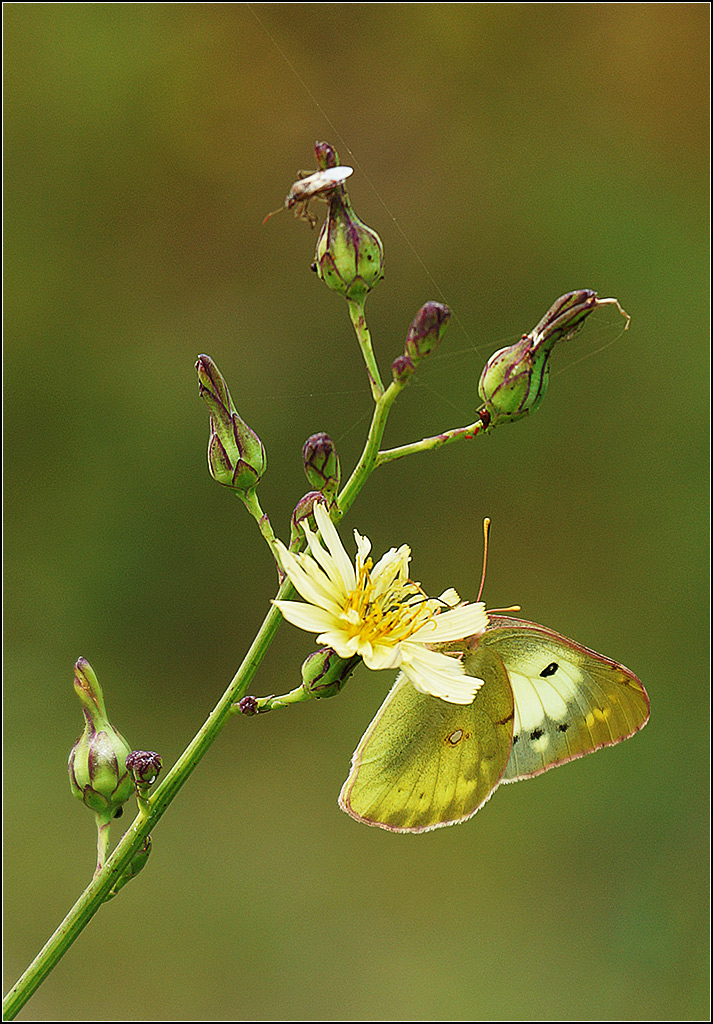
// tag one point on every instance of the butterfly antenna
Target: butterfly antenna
(486, 538)
(486, 535)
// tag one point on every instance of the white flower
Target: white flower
(377, 612)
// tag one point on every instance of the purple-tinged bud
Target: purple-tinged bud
(326, 155)
(97, 762)
(324, 673)
(322, 464)
(136, 864)
(514, 380)
(304, 512)
(402, 369)
(248, 705)
(426, 331)
(144, 766)
(350, 255)
(236, 457)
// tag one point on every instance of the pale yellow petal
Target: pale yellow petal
(437, 674)
(467, 620)
(309, 580)
(342, 643)
(306, 616)
(335, 546)
(381, 656)
(325, 560)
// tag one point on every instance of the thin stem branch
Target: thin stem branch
(356, 312)
(368, 460)
(429, 443)
(103, 829)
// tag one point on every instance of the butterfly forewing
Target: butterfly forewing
(569, 701)
(424, 762)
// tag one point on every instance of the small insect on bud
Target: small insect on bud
(322, 464)
(97, 762)
(426, 331)
(515, 378)
(350, 255)
(315, 184)
(324, 673)
(236, 457)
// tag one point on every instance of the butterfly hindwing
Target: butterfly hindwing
(569, 700)
(424, 762)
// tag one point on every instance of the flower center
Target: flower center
(389, 616)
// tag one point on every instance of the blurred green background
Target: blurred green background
(506, 153)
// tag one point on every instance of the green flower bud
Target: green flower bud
(515, 378)
(322, 464)
(136, 864)
(426, 331)
(97, 762)
(350, 256)
(236, 457)
(324, 673)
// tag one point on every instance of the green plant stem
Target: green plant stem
(368, 461)
(103, 829)
(96, 892)
(252, 504)
(429, 443)
(356, 312)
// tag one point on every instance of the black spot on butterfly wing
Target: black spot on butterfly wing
(536, 734)
(563, 726)
(549, 670)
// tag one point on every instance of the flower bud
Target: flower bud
(236, 457)
(426, 331)
(249, 705)
(515, 378)
(350, 256)
(326, 155)
(136, 864)
(324, 673)
(304, 510)
(144, 766)
(321, 464)
(402, 369)
(97, 762)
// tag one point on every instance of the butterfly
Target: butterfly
(545, 700)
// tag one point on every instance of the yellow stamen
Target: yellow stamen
(392, 617)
